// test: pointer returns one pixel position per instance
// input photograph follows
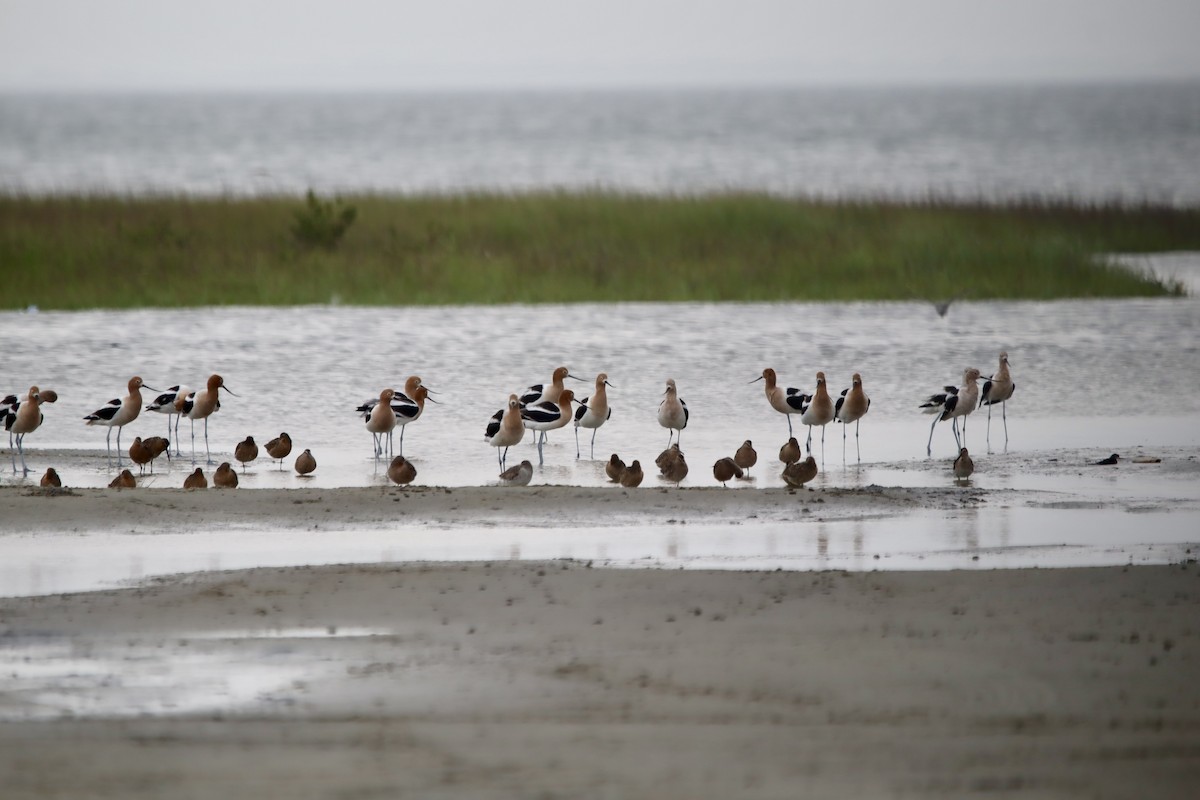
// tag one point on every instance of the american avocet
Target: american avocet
(790, 452)
(542, 417)
(505, 429)
(305, 463)
(799, 473)
(123, 481)
(165, 404)
(382, 421)
(746, 456)
(632, 476)
(850, 406)
(725, 470)
(246, 451)
(672, 411)
(23, 417)
(819, 411)
(786, 401)
(519, 475)
(196, 480)
(117, 414)
(225, 477)
(51, 480)
(963, 465)
(546, 392)
(955, 402)
(998, 389)
(202, 405)
(593, 412)
(401, 471)
(410, 410)
(401, 398)
(614, 467)
(280, 448)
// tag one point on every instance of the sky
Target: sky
(372, 45)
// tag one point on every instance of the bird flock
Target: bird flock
(539, 408)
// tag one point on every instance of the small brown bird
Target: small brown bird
(632, 476)
(225, 477)
(245, 452)
(746, 456)
(51, 480)
(280, 447)
(799, 473)
(157, 445)
(675, 469)
(123, 481)
(963, 465)
(614, 468)
(401, 471)
(726, 469)
(305, 463)
(667, 457)
(521, 474)
(790, 452)
(196, 480)
(139, 454)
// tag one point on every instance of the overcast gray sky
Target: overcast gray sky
(434, 44)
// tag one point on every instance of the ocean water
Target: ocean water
(1125, 143)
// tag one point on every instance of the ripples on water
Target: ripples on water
(1117, 365)
(1088, 143)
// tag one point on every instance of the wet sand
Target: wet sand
(556, 680)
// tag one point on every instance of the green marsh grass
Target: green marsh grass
(115, 252)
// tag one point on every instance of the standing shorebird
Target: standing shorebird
(144, 451)
(790, 452)
(202, 405)
(22, 417)
(786, 401)
(401, 471)
(998, 389)
(382, 420)
(246, 451)
(279, 448)
(963, 465)
(542, 417)
(672, 412)
(593, 412)
(746, 456)
(519, 475)
(305, 463)
(725, 470)
(505, 429)
(614, 468)
(851, 405)
(546, 392)
(117, 414)
(819, 411)
(955, 402)
(410, 409)
(165, 404)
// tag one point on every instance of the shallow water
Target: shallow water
(1107, 374)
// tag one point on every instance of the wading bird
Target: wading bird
(955, 402)
(786, 401)
(672, 412)
(593, 412)
(851, 406)
(117, 414)
(998, 389)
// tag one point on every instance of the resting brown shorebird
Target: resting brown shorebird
(519, 475)
(123, 481)
(746, 456)
(614, 468)
(144, 451)
(790, 452)
(279, 448)
(196, 480)
(672, 464)
(225, 477)
(667, 457)
(632, 476)
(246, 451)
(797, 474)
(401, 471)
(963, 465)
(725, 470)
(1104, 462)
(51, 480)
(305, 463)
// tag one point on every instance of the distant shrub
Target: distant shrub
(322, 223)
